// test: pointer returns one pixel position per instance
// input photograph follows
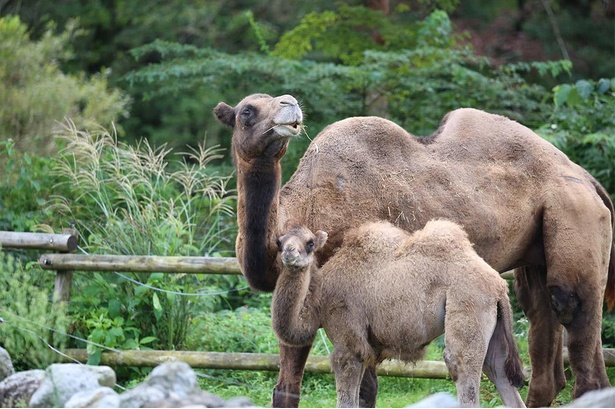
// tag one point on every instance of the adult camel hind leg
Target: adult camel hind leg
(544, 336)
(577, 240)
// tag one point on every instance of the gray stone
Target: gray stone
(201, 399)
(603, 398)
(437, 400)
(19, 387)
(170, 380)
(62, 381)
(6, 365)
(103, 397)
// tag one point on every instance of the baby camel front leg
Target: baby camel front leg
(348, 370)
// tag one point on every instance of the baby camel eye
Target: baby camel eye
(310, 246)
(279, 244)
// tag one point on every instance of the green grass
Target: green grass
(318, 390)
(249, 330)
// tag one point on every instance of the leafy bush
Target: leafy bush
(36, 93)
(133, 200)
(27, 185)
(33, 326)
(582, 125)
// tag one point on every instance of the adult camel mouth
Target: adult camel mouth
(289, 129)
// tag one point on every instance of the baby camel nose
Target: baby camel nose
(289, 249)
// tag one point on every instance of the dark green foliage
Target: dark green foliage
(414, 87)
(582, 125)
(25, 189)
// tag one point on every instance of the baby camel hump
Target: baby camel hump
(387, 293)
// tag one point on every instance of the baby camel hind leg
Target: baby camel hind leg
(503, 364)
(466, 339)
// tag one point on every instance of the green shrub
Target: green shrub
(582, 125)
(135, 200)
(33, 325)
(27, 185)
(36, 93)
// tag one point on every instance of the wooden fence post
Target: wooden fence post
(64, 278)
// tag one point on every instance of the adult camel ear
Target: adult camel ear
(225, 114)
(320, 240)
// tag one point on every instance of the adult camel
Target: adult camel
(524, 204)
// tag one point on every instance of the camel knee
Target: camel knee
(565, 304)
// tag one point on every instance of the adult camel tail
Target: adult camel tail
(609, 294)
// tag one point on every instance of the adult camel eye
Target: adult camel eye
(247, 115)
(310, 246)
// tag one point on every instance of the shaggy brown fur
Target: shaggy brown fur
(434, 282)
(523, 203)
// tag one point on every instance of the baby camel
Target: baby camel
(387, 294)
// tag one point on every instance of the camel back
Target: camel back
(492, 175)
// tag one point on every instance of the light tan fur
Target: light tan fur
(523, 203)
(387, 294)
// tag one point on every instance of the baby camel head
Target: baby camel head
(298, 244)
(262, 125)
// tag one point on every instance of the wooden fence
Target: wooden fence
(65, 262)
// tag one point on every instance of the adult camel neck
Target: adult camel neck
(258, 188)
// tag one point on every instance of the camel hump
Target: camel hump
(372, 133)
(492, 131)
(439, 235)
(375, 237)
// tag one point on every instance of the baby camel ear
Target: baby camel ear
(320, 240)
(225, 114)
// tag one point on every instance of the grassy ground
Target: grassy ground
(249, 330)
(319, 389)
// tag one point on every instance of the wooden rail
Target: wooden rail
(38, 241)
(271, 362)
(140, 264)
(251, 361)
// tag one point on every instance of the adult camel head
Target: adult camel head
(262, 124)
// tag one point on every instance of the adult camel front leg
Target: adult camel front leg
(585, 345)
(544, 336)
(287, 391)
